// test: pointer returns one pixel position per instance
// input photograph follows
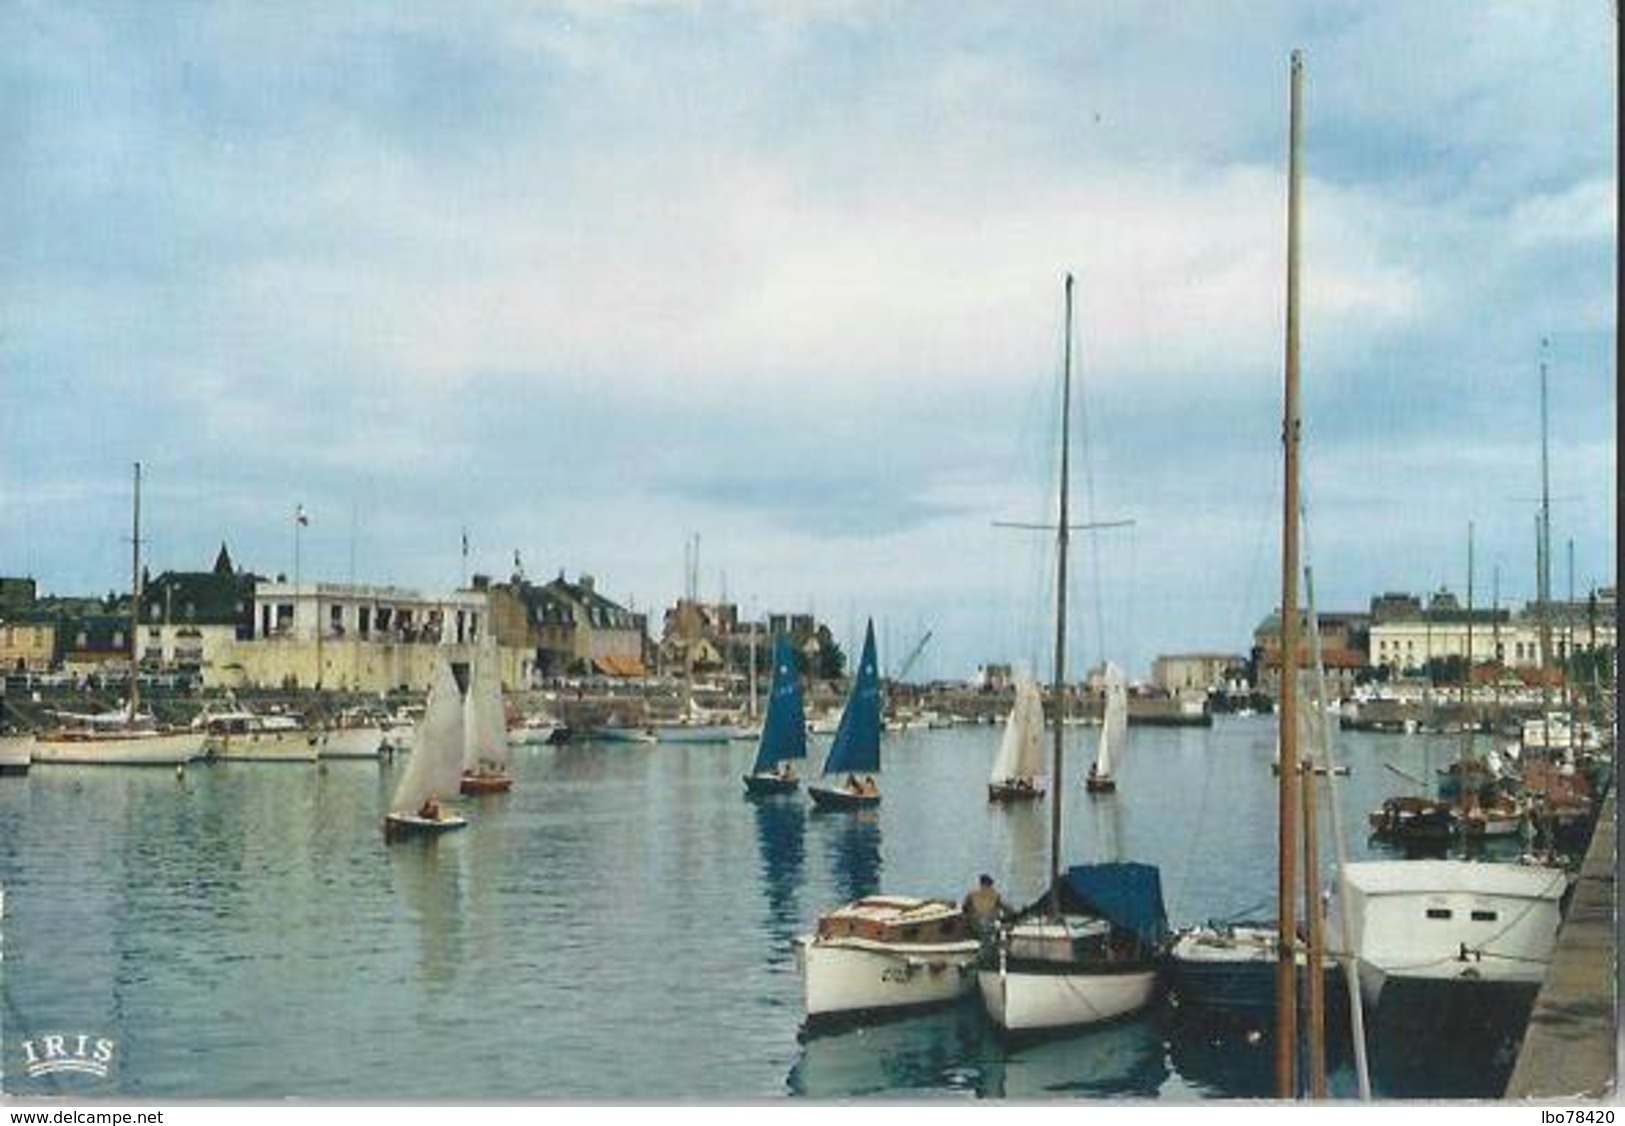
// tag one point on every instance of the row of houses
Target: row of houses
(236, 629)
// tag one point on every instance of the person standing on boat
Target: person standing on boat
(985, 908)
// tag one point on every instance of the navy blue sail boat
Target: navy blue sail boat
(856, 749)
(784, 731)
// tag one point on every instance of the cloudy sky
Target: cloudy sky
(591, 278)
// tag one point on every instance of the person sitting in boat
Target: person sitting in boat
(784, 770)
(429, 810)
(853, 784)
(869, 787)
(985, 908)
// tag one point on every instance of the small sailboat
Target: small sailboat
(856, 749)
(784, 731)
(434, 772)
(486, 757)
(1113, 734)
(1018, 771)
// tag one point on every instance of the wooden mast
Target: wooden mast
(135, 601)
(1059, 683)
(1286, 1003)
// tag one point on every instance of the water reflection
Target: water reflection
(780, 829)
(853, 840)
(1026, 832)
(428, 878)
(954, 1051)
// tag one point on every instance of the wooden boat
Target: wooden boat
(486, 755)
(784, 731)
(1113, 734)
(244, 736)
(885, 952)
(1085, 953)
(856, 749)
(1413, 819)
(1018, 771)
(434, 771)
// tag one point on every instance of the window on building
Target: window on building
(364, 620)
(118, 639)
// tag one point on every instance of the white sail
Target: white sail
(435, 769)
(486, 743)
(1114, 723)
(1021, 753)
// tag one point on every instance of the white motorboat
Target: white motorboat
(886, 952)
(1449, 922)
(16, 753)
(243, 736)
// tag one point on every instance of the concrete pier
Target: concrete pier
(1571, 1048)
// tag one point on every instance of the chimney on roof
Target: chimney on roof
(585, 582)
(222, 562)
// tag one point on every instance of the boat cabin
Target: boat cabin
(895, 919)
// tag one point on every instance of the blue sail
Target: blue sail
(784, 732)
(856, 749)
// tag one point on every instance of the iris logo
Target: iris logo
(47, 1055)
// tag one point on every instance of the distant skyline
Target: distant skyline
(589, 278)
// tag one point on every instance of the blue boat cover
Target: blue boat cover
(1127, 894)
(856, 749)
(784, 731)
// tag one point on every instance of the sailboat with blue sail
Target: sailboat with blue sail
(856, 749)
(784, 732)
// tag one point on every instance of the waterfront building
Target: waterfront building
(188, 618)
(1176, 673)
(27, 643)
(352, 637)
(1344, 650)
(565, 628)
(1408, 637)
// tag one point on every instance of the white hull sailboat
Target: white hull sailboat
(434, 772)
(1085, 953)
(1018, 771)
(247, 737)
(885, 953)
(1449, 922)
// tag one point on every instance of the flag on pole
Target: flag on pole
(465, 542)
(300, 516)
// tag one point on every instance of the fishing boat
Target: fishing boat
(1450, 923)
(1113, 734)
(1413, 820)
(1086, 952)
(1018, 771)
(486, 757)
(884, 953)
(434, 772)
(245, 736)
(856, 748)
(784, 731)
(126, 737)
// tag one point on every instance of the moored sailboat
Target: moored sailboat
(434, 772)
(1018, 771)
(856, 749)
(784, 731)
(1086, 952)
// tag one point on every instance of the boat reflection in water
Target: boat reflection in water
(780, 838)
(953, 1051)
(853, 843)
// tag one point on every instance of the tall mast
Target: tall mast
(1286, 1007)
(135, 599)
(1060, 613)
(1543, 563)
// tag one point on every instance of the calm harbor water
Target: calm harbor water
(618, 926)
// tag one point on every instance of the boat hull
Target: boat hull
(1097, 784)
(826, 798)
(154, 750)
(1049, 997)
(1009, 792)
(274, 746)
(848, 978)
(401, 826)
(486, 783)
(770, 784)
(624, 735)
(695, 734)
(16, 754)
(354, 742)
